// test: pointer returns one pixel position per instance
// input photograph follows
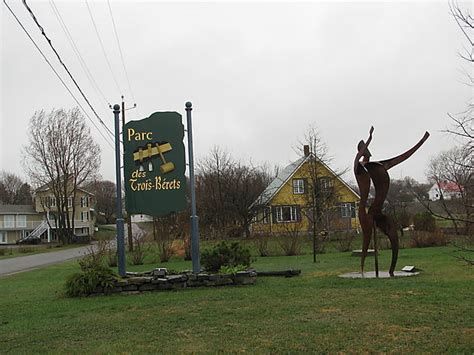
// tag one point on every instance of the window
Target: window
(325, 183)
(298, 186)
(9, 221)
(3, 237)
(21, 221)
(347, 210)
(85, 201)
(52, 201)
(286, 213)
(69, 202)
(84, 216)
(266, 214)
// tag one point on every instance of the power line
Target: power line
(103, 48)
(65, 67)
(120, 51)
(77, 52)
(55, 72)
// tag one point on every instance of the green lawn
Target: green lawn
(315, 312)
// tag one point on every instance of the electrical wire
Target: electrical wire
(65, 67)
(103, 48)
(120, 51)
(57, 74)
(84, 66)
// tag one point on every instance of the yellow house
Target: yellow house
(306, 194)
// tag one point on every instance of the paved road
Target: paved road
(30, 262)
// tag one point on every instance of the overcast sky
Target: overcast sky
(258, 74)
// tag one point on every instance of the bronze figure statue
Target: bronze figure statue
(365, 171)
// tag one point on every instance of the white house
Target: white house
(447, 190)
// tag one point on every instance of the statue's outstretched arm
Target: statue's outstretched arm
(389, 163)
(362, 150)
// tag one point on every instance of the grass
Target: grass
(315, 312)
(105, 232)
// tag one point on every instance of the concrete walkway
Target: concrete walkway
(30, 262)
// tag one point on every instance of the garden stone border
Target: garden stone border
(157, 280)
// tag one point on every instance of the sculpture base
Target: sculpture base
(382, 275)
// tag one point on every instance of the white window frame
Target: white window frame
(84, 216)
(85, 201)
(346, 210)
(69, 202)
(53, 201)
(293, 213)
(9, 221)
(298, 186)
(325, 183)
(21, 221)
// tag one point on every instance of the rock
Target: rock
(130, 288)
(148, 287)
(121, 282)
(202, 277)
(159, 272)
(158, 281)
(139, 280)
(178, 285)
(165, 286)
(177, 278)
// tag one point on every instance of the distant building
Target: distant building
(22, 222)
(17, 222)
(445, 190)
(141, 218)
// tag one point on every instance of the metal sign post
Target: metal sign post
(194, 217)
(118, 183)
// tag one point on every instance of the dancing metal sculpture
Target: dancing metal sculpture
(365, 171)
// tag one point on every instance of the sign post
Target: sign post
(194, 217)
(118, 183)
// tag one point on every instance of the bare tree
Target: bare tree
(320, 206)
(454, 167)
(62, 156)
(225, 190)
(462, 124)
(13, 190)
(105, 196)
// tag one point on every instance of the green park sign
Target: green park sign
(154, 165)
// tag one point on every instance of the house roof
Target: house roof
(272, 189)
(47, 187)
(446, 186)
(17, 209)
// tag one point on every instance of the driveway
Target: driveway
(30, 262)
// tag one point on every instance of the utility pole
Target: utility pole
(194, 217)
(129, 217)
(118, 183)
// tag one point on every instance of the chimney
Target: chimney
(306, 150)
